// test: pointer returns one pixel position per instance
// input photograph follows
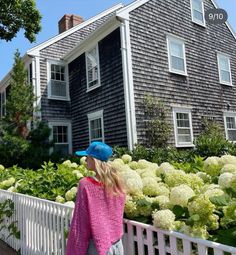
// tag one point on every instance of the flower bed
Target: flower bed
(198, 200)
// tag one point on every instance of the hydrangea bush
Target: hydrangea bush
(200, 203)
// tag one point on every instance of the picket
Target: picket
(43, 224)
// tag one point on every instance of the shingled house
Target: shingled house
(159, 47)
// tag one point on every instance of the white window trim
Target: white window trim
(178, 40)
(98, 66)
(228, 114)
(219, 55)
(94, 116)
(188, 111)
(51, 124)
(50, 96)
(203, 13)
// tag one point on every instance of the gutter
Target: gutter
(128, 83)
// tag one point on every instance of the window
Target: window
(230, 126)
(61, 136)
(183, 127)
(30, 73)
(197, 9)
(57, 81)
(3, 103)
(176, 55)
(96, 130)
(92, 69)
(224, 69)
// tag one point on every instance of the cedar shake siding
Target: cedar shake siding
(200, 89)
(59, 109)
(109, 97)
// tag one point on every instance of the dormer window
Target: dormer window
(92, 68)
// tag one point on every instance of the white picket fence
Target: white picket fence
(43, 225)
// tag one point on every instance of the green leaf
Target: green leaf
(180, 211)
(220, 200)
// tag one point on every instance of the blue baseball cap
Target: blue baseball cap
(98, 150)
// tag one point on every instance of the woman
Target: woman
(97, 223)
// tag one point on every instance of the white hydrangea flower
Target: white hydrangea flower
(153, 188)
(126, 158)
(143, 163)
(228, 168)
(227, 159)
(133, 181)
(82, 161)
(212, 166)
(214, 192)
(164, 168)
(225, 180)
(180, 195)
(133, 165)
(163, 201)
(78, 174)
(164, 219)
(60, 199)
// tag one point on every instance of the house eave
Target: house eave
(36, 49)
(124, 12)
(6, 79)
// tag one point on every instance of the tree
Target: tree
(157, 127)
(16, 15)
(20, 100)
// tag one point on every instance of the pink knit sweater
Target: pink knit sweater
(96, 216)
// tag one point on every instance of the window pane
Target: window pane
(177, 63)
(58, 88)
(198, 16)
(62, 149)
(230, 121)
(183, 131)
(96, 129)
(176, 49)
(184, 139)
(232, 135)
(197, 5)
(225, 76)
(224, 64)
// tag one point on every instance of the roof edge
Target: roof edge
(36, 49)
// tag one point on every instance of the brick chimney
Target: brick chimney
(68, 21)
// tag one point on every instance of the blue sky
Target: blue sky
(53, 10)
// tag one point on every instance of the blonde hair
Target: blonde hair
(109, 177)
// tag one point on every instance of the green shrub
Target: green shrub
(211, 141)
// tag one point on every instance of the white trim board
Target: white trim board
(58, 37)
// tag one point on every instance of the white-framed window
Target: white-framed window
(96, 127)
(197, 10)
(92, 68)
(224, 69)
(230, 126)
(176, 55)
(61, 136)
(183, 127)
(57, 80)
(3, 103)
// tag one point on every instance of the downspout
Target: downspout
(128, 83)
(36, 86)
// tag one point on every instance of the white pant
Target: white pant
(115, 249)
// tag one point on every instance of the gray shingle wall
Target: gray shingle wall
(58, 109)
(109, 96)
(201, 88)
